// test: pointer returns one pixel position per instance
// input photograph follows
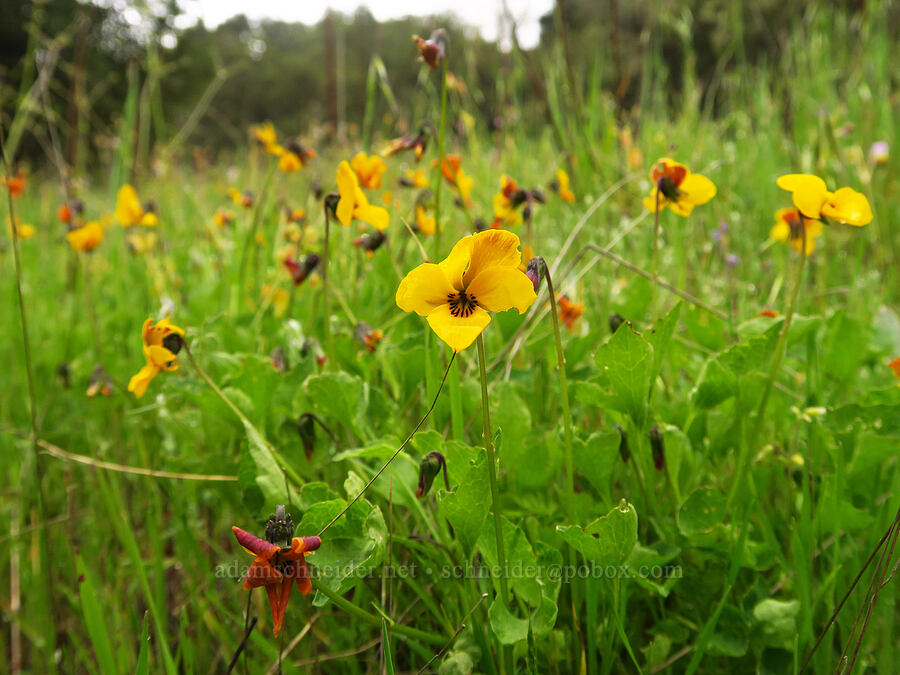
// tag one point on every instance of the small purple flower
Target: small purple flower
(732, 260)
(879, 152)
(535, 271)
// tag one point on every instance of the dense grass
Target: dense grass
(759, 524)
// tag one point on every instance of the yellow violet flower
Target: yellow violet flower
(562, 186)
(288, 162)
(506, 203)
(23, 230)
(481, 274)
(223, 217)
(677, 188)
(414, 179)
(368, 169)
(129, 210)
(812, 197)
(86, 238)
(162, 343)
(353, 202)
(265, 135)
(789, 226)
(425, 224)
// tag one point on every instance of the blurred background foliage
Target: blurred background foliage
(316, 80)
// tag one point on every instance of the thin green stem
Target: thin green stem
(396, 452)
(656, 260)
(363, 615)
(326, 317)
(92, 308)
(492, 472)
(286, 468)
(437, 189)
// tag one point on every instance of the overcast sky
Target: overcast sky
(481, 13)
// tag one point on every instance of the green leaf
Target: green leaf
(608, 540)
(660, 337)
(715, 384)
(467, 507)
(731, 637)
(508, 628)
(520, 559)
(268, 475)
(627, 360)
(701, 512)
(143, 661)
(844, 347)
(93, 617)
(595, 458)
(389, 667)
(339, 396)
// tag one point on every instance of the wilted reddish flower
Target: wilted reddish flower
(300, 270)
(276, 567)
(433, 50)
(418, 143)
(370, 242)
(569, 311)
(15, 184)
(368, 336)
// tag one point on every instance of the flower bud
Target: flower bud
(535, 271)
(306, 427)
(657, 448)
(331, 202)
(431, 466)
(624, 450)
(280, 527)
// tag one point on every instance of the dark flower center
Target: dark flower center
(668, 188)
(173, 342)
(461, 304)
(796, 225)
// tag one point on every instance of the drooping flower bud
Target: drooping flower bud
(657, 448)
(615, 320)
(431, 466)
(306, 427)
(535, 271)
(624, 449)
(331, 202)
(369, 337)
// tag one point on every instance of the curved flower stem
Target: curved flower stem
(780, 348)
(396, 452)
(656, 260)
(286, 468)
(440, 173)
(251, 237)
(492, 472)
(326, 319)
(564, 399)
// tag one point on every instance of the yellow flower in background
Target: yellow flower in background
(353, 202)
(239, 198)
(23, 230)
(506, 203)
(288, 162)
(387, 197)
(141, 243)
(162, 343)
(368, 169)
(563, 190)
(789, 227)
(129, 210)
(223, 218)
(425, 224)
(812, 198)
(676, 187)
(414, 179)
(481, 274)
(265, 135)
(453, 172)
(86, 238)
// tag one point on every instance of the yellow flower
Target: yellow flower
(265, 135)
(223, 218)
(129, 210)
(289, 162)
(368, 169)
(387, 197)
(425, 224)
(86, 238)
(789, 226)
(562, 182)
(162, 343)
(506, 203)
(415, 179)
(813, 199)
(481, 274)
(353, 203)
(141, 243)
(23, 230)
(453, 172)
(895, 366)
(676, 187)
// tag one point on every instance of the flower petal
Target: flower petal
(458, 332)
(494, 248)
(848, 206)
(347, 187)
(424, 289)
(376, 216)
(697, 189)
(500, 288)
(682, 207)
(455, 264)
(650, 202)
(809, 192)
(780, 231)
(139, 382)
